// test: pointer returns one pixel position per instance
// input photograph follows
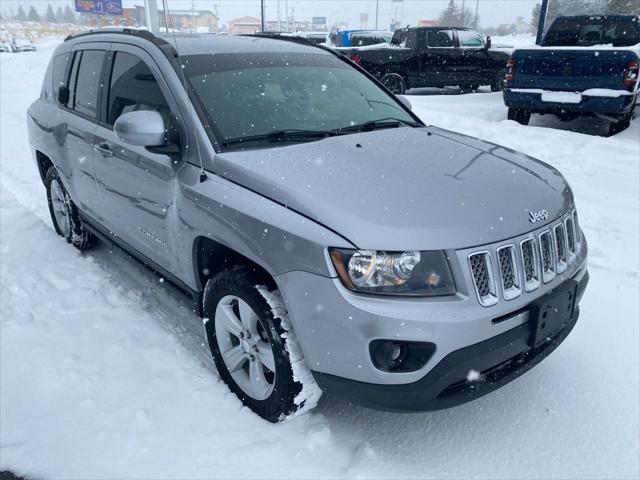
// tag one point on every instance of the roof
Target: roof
(247, 20)
(190, 13)
(200, 43)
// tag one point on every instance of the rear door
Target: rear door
(440, 59)
(136, 186)
(75, 125)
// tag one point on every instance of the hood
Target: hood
(405, 188)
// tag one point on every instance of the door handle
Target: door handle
(103, 149)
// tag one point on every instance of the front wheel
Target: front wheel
(621, 125)
(247, 345)
(395, 83)
(520, 115)
(64, 214)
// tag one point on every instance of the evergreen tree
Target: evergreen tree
(20, 16)
(59, 15)
(33, 14)
(627, 7)
(535, 15)
(69, 16)
(450, 15)
(50, 16)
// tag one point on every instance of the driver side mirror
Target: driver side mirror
(404, 101)
(487, 43)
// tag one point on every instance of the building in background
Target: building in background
(244, 25)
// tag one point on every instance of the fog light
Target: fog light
(394, 356)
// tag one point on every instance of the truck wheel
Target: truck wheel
(499, 83)
(247, 345)
(469, 88)
(621, 125)
(520, 115)
(64, 214)
(395, 83)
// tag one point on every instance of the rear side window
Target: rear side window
(58, 70)
(440, 39)
(133, 87)
(470, 39)
(88, 83)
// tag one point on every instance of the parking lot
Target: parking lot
(130, 389)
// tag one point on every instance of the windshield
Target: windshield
(248, 95)
(588, 31)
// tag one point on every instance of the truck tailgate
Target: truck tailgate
(571, 69)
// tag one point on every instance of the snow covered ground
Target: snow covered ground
(104, 373)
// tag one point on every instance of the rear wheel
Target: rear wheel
(621, 125)
(247, 345)
(64, 214)
(520, 115)
(395, 83)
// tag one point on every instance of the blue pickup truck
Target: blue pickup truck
(585, 65)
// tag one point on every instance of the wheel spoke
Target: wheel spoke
(234, 359)
(228, 319)
(248, 317)
(266, 355)
(259, 383)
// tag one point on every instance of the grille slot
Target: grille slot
(571, 238)
(561, 247)
(509, 273)
(530, 264)
(483, 279)
(546, 256)
(576, 229)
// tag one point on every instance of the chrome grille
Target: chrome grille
(530, 264)
(546, 255)
(561, 247)
(509, 272)
(482, 272)
(538, 258)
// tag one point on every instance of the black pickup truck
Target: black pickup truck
(433, 57)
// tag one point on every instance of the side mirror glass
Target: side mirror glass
(405, 101)
(143, 128)
(487, 43)
(63, 95)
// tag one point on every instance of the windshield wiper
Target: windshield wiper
(290, 135)
(379, 124)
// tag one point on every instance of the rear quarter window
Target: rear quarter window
(58, 71)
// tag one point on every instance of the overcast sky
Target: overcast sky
(491, 12)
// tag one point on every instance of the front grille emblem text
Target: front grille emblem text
(538, 216)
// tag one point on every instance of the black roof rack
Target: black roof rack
(280, 36)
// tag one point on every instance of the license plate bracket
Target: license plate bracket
(552, 313)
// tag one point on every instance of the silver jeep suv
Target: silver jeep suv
(328, 237)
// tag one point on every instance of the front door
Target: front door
(438, 62)
(136, 186)
(475, 64)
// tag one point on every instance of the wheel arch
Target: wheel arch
(44, 163)
(211, 257)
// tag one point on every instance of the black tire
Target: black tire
(75, 233)
(621, 125)
(395, 83)
(470, 88)
(240, 282)
(520, 115)
(499, 83)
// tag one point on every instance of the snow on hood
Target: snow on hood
(405, 188)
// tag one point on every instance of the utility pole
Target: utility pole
(193, 16)
(286, 14)
(262, 15)
(377, 2)
(543, 17)
(279, 22)
(475, 16)
(151, 14)
(462, 15)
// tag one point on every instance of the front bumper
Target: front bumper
(497, 361)
(532, 100)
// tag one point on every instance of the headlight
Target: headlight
(413, 272)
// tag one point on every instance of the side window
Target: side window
(59, 68)
(470, 39)
(440, 39)
(133, 87)
(87, 83)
